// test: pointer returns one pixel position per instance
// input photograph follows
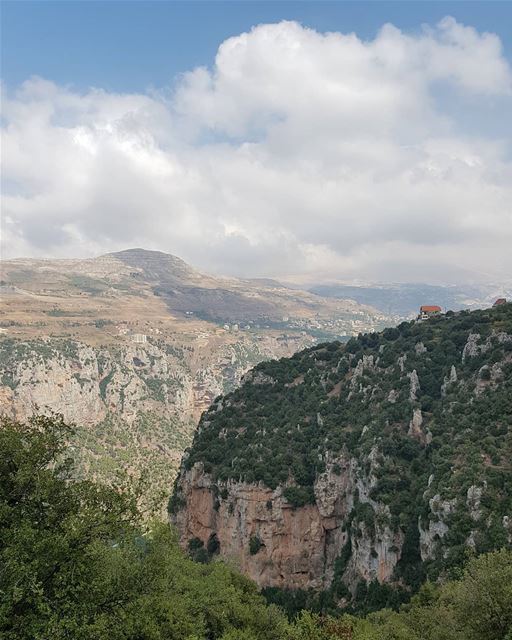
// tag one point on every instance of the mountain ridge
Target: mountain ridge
(181, 287)
(363, 468)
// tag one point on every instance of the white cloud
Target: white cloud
(302, 153)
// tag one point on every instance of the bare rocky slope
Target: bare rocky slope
(358, 470)
(134, 346)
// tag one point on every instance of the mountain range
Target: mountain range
(404, 299)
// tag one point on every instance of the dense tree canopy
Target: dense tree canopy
(77, 564)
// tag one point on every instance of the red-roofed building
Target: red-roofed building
(499, 302)
(429, 310)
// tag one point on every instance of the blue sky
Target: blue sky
(300, 140)
(132, 46)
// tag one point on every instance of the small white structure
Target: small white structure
(139, 338)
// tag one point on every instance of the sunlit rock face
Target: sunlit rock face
(298, 545)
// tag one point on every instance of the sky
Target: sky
(355, 141)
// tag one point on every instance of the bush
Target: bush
(299, 496)
(255, 545)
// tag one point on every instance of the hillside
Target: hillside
(133, 346)
(137, 282)
(359, 470)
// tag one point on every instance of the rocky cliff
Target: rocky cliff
(135, 405)
(293, 547)
(358, 468)
(133, 346)
(87, 383)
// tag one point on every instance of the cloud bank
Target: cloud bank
(298, 153)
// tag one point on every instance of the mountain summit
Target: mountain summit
(157, 265)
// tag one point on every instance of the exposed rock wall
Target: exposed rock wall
(293, 541)
(85, 383)
(298, 546)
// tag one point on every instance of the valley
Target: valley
(350, 470)
(132, 347)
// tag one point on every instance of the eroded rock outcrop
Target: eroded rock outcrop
(292, 540)
(297, 545)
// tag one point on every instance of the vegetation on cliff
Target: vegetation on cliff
(424, 410)
(77, 563)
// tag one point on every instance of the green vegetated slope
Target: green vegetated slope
(78, 562)
(426, 411)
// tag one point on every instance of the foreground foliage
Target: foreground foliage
(478, 606)
(76, 563)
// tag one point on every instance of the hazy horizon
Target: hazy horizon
(351, 151)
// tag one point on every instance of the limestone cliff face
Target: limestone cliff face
(297, 546)
(85, 384)
(135, 405)
(292, 541)
(69, 386)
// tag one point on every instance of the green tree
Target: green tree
(77, 564)
(50, 527)
(482, 599)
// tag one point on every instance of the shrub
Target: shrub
(255, 545)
